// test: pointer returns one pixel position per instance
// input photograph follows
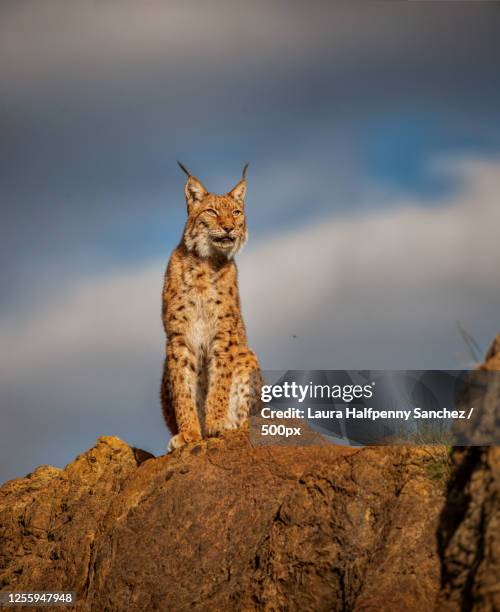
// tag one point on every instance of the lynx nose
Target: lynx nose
(227, 228)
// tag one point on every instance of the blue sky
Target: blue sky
(355, 118)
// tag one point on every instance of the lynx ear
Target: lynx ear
(238, 192)
(194, 190)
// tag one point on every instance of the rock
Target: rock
(222, 525)
(49, 520)
(469, 532)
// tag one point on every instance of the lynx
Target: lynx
(211, 379)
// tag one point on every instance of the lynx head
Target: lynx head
(216, 224)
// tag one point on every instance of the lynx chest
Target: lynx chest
(203, 312)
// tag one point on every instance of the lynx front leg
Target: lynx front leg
(182, 391)
(216, 407)
(244, 397)
(234, 390)
(219, 383)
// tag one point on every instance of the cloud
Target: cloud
(384, 288)
(369, 290)
(53, 38)
(103, 316)
(59, 37)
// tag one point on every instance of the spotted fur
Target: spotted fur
(211, 379)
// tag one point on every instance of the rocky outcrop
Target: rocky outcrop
(469, 532)
(223, 525)
(49, 520)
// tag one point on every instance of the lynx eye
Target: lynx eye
(236, 213)
(212, 212)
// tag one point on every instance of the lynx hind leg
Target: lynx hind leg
(167, 405)
(244, 398)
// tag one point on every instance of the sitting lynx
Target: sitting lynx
(211, 379)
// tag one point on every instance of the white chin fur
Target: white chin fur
(204, 247)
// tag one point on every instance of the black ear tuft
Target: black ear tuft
(183, 168)
(245, 168)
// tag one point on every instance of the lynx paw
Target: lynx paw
(183, 438)
(216, 427)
